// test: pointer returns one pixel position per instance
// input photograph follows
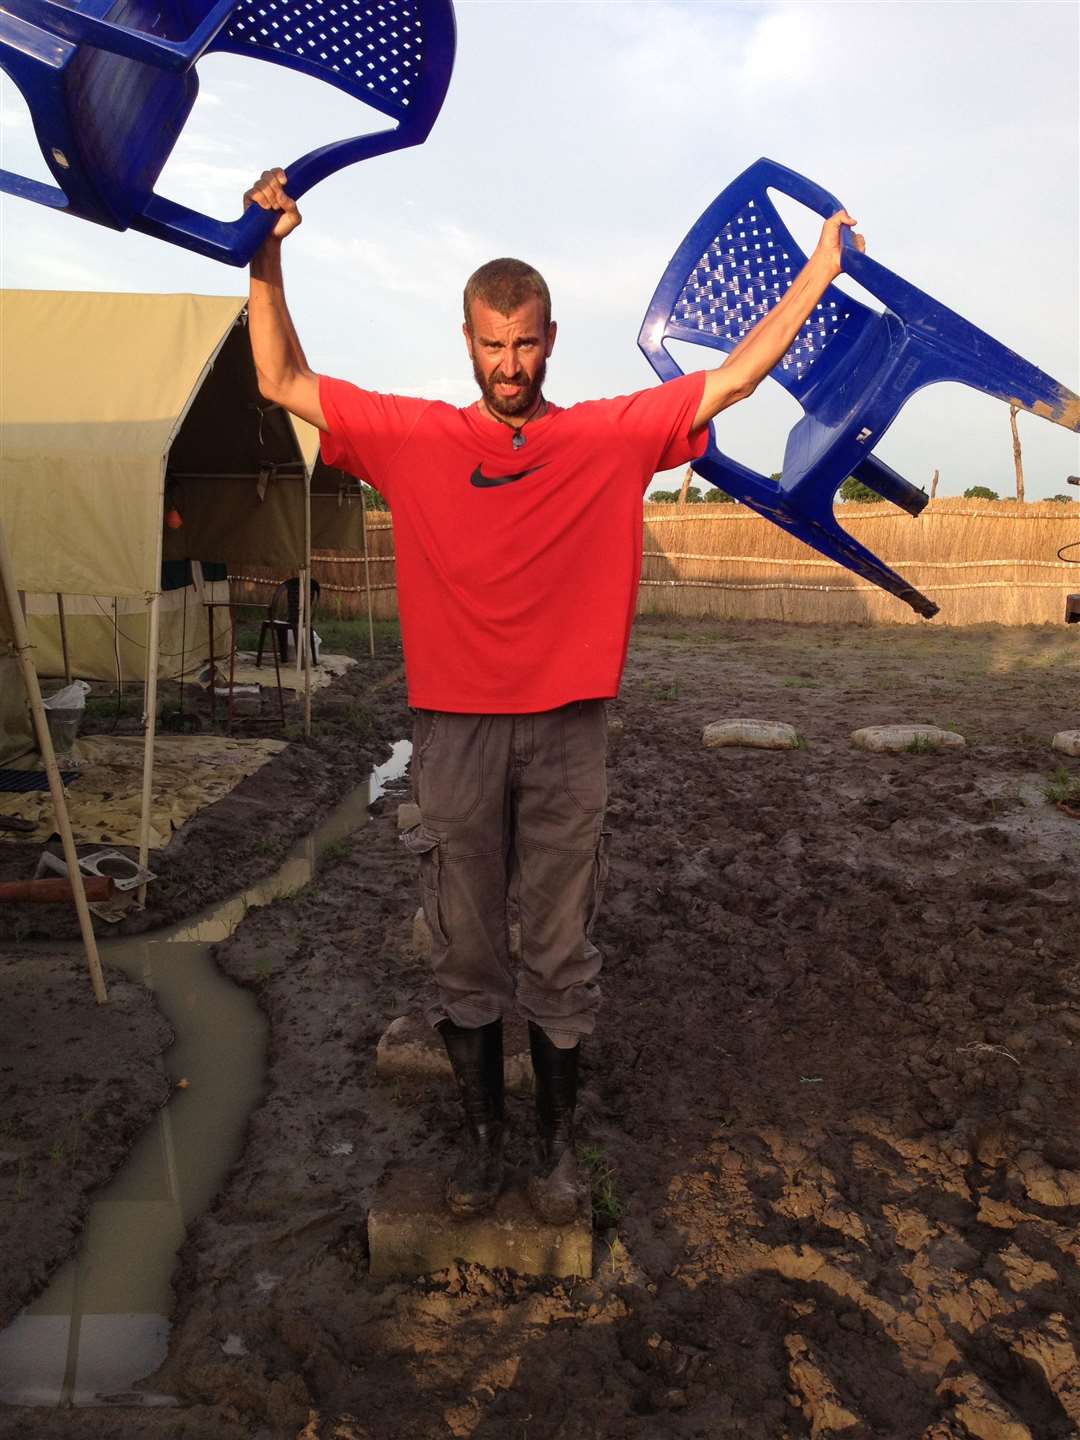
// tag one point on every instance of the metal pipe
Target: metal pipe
(56, 892)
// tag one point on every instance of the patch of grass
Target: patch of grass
(607, 1204)
(106, 707)
(921, 745)
(292, 730)
(360, 721)
(800, 682)
(665, 692)
(1063, 787)
(618, 1255)
(263, 969)
(349, 635)
(801, 742)
(64, 1150)
(337, 850)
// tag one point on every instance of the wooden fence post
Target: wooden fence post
(1017, 458)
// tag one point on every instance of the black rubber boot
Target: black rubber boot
(555, 1187)
(477, 1060)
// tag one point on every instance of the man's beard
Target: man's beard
(510, 406)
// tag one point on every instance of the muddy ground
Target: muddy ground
(232, 843)
(834, 1092)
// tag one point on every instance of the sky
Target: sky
(587, 139)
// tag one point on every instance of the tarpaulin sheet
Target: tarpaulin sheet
(190, 772)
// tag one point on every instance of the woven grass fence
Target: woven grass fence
(343, 578)
(982, 562)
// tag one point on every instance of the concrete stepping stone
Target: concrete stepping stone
(412, 1232)
(757, 734)
(411, 1050)
(1067, 741)
(894, 739)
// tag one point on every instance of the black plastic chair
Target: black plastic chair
(279, 627)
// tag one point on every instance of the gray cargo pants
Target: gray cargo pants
(512, 809)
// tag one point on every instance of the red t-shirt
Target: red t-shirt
(517, 570)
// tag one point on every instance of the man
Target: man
(517, 528)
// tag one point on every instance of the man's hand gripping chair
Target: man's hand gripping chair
(110, 84)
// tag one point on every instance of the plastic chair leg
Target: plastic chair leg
(885, 481)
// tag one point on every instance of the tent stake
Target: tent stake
(56, 785)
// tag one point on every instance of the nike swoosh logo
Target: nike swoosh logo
(488, 482)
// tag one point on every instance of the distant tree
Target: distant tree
(1062, 499)
(693, 495)
(775, 475)
(662, 497)
(715, 496)
(980, 492)
(853, 489)
(372, 499)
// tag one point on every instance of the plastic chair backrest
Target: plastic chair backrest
(850, 367)
(291, 587)
(110, 87)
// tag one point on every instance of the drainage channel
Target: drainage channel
(102, 1323)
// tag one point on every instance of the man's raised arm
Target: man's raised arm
(763, 347)
(282, 369)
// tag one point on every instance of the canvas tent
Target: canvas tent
(115, 409)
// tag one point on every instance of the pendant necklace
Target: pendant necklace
(538, 410)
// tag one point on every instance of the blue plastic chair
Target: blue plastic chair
(110, 84)
(851, 368)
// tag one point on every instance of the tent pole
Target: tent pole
(150, 707)
(56, 786)
(305, 604)
(63, 636)
(116, 647)
(367, 578)
(149, 728)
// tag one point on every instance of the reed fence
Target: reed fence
(983, 562)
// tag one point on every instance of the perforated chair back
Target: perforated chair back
(110, 84)
(851, 368)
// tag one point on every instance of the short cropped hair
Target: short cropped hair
(504, 285)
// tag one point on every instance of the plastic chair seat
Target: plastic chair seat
(851, 368)
(110, 86)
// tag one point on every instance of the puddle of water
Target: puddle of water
(102, 1323)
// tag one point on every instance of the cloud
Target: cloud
(44, 269)
(425, 264)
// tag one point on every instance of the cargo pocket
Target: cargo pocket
(601, 865)
(584, 752)
(425, 847)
